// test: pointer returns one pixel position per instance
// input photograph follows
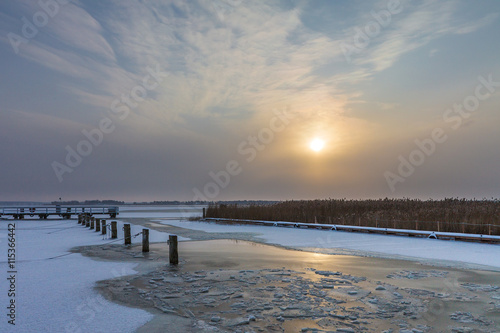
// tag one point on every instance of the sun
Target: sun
(317, 145)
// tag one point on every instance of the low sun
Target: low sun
(317, 145)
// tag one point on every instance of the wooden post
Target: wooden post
(114, 230)
(126, 231)
(439, 226)
(315, 221)
(103, 227)
(204, 213)
(79, 218)
(145, 240)
(92, 223)
(87, 221)
(173, 252)
(97, 225)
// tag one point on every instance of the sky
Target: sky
(220, 100)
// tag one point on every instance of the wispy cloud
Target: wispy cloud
(417, 25)
(254, 57)
(230, 64)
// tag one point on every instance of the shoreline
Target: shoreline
(254, 237)
(200, 293)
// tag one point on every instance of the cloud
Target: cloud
(223, 54)
(417, 25)
(253, 54)
(474, 26)
(231, 63)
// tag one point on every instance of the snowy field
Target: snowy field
(430, 250)
(54, 288)
(181, 212)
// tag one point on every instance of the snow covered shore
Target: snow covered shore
(54, 288)
(462, 254)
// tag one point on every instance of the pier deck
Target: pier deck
(43, 212)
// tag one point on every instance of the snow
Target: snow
(57, 295)
(364, 244)
(154, 236)
(55, 288)
(181, 208)
(173, 212)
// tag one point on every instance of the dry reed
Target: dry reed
(448, 215)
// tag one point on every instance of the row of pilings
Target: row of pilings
(111, 229)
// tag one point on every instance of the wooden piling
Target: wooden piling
(145, 240)
(103, 227)
(87, 221)
(126, 231)
(204, 213)
(97, 225)
(79, 218)
(173, 249)
(114, 230)
(92, 223)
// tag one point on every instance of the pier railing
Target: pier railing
(43, 212)
(377, 230)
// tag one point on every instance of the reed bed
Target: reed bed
(448, 215)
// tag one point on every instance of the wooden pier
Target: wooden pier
(43, 212)
(351, 228)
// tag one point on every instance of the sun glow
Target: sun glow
(317, 145)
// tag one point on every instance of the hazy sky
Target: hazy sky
(182, 100)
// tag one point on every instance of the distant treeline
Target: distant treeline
(88, 202)
(167, 203)
(163, 203)
(234, 202)
(451, 214)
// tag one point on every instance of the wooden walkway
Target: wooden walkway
(43, 212)
(350, 228)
